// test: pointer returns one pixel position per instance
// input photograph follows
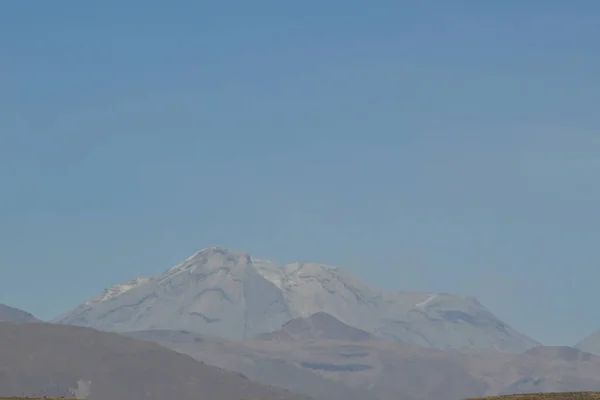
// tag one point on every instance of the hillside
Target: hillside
(11, 314)
(235, 296)
(40, 359)
(385, 369)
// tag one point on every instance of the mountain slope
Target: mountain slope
(340, 370)
(11, 314)
(541, 369)
(269, 366)
(232, 295)
(56, 360)
(385, 369)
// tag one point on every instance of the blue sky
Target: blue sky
(444, 146)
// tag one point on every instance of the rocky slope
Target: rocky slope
(40, 359)
(232, 295)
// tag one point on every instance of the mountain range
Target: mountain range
(232, 295)
(225, 325)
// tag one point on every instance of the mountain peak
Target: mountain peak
(219, 252)
(211, 258)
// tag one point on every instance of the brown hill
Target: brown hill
(40, 359)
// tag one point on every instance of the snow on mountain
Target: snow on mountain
(235, 296)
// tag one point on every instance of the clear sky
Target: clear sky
(435, 145)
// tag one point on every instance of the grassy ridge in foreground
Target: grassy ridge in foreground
(546, 396)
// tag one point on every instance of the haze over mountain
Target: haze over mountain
(233, 295)
(56, 360)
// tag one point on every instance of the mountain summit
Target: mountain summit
(233, 295)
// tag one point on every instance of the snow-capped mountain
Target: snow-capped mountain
(235, 296)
